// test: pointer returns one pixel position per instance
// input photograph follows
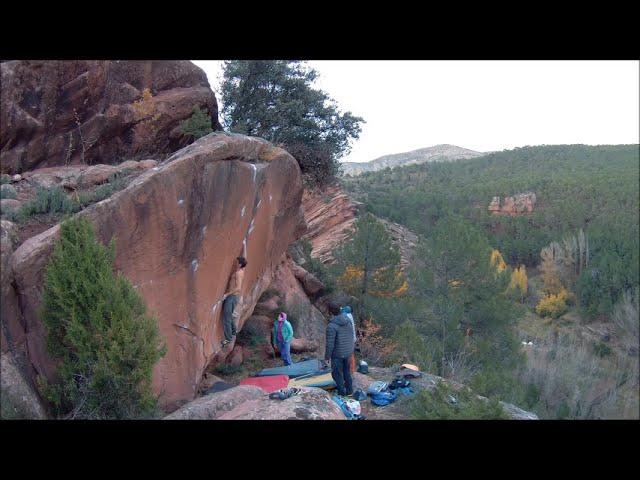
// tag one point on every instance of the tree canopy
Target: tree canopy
(275, 100)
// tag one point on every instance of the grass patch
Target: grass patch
(443, 403)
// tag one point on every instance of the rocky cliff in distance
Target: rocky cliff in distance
(330, 213)
(57, 113)
(437, 153)
(179, 227)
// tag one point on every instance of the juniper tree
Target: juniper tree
(99, 331)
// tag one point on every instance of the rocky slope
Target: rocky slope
(66, 112)
(330, 213)
(251, 403)
(178, 227)
(437, 153)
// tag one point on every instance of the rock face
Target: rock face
(404, 239)
(178, 229)
(307, 321)
(309, 404)
(18, 400)
(519, 204)
(211, 407)
(437, 153)
(329, 213)
(67, 112)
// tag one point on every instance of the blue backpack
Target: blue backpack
(383, 398)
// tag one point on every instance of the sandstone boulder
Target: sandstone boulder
(8, 205)
(236, 356)
(83, 111)
(208, 379)
(18, 400)
(179, 227)
(312, 286)
(308, 322)
(309, 404)
(212, 406)
(301, 345)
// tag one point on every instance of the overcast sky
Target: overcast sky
(480, 105)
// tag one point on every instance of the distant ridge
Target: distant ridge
(437, 153)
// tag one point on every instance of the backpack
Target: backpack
(399, 383)
(377, 387)
(383, 398)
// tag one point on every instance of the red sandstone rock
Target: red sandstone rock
(301, 345)
(309, 404)
(212, 406)
(522, 203)
(236, 357)
(329, 214)
(178, 230)
(82, 111)
(310, 323)
(309, 281)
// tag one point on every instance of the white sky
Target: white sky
(480, 105)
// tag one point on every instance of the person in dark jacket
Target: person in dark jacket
(339, 349)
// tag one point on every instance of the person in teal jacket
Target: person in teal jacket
(282, 336)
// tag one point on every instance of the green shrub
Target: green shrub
(8, 191)
(98, 329)
(443, 403)
(602, 349)
(115, 183)
(50, 200)
(198, 124)
(227, 369)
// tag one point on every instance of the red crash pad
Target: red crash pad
(268, 384)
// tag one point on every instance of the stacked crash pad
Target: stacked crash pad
(294, 370)
(269, 383)
(320, 380)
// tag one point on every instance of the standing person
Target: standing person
(347, 311)
(339, 349)
(231, 298)
(282, 336)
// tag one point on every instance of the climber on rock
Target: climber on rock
(230, 301)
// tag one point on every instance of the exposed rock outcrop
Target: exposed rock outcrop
(57, 113)
(211, 407)
(399, 411)
(309, 404)
(330, 214)
(18, 400)
(519, 204)
(307, 320)
(179, 227)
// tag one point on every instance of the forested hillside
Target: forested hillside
(577, 186)
(539, 307)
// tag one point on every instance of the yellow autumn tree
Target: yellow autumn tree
(519, 281)
(384, 282)
(497, 261)
(145, 106)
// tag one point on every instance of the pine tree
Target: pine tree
(99, 331)
(371, 261)
(275, 100)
